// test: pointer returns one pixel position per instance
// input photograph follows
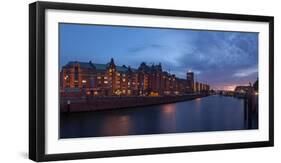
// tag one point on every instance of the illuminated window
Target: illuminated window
(99, 77)
(76, 83)
(84, 81)
(117, 92)
(105, 82)
(67, 78)
(105, 77)
(123, 79)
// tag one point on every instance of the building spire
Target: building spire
(111, 61)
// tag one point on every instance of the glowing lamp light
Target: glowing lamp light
(118, 92)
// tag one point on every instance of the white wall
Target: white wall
(14, 79)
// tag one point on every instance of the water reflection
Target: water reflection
(169, 109)
(168, 118)
(116, 125)
(213, 113)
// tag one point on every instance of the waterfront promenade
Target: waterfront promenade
(117, 102)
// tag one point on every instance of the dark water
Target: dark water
(213, 113)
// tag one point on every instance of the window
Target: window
(84, 83)
(66, 77)
(76, 73)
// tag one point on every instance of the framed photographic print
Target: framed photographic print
(118, 81)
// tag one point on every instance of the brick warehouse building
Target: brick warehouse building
(93, 79)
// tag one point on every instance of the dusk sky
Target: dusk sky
(221, 59)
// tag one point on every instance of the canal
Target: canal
(212, 113)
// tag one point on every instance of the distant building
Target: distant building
(93, 79)
(256, 85)
(244, 89)
(201, 87)
(190, 81)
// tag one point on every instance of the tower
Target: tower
(190, 81)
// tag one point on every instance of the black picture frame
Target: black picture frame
(37, 80)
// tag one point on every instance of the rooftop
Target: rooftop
(97, 66)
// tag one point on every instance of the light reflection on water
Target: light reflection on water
(213, 113)
(168, 117)
(116, 124)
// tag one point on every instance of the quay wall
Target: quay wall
(106, 103)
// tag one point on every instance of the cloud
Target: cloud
(245, 72)
(222, 58)
(218, 58)
(141, 48)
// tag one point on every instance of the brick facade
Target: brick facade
(92, 79)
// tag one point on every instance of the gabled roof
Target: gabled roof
(87, 65)
(148, 68)
(121, 68)
(97, 66)
(100, 66)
